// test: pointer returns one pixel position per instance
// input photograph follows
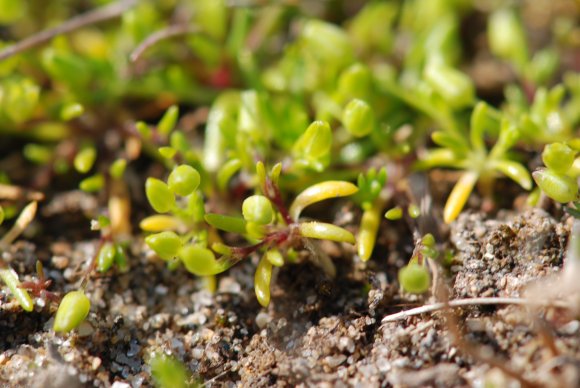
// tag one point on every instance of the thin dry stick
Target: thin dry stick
(471, 302)
(92, 17)
(15, 193)
(458, 337)
(165, 33)
(23, 220)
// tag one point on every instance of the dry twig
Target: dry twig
(429, 308)
(98, 15)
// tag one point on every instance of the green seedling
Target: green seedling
(112, 243)
(478, 163)
(415, 277)
(275, 229)
(178, 237)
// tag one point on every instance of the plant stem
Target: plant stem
(165, 33)
(98, 15)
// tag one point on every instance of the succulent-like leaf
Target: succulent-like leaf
(159, 195)
(367, 234)
(72, 311)
(559, 187)
(320, 192)
(414, 278)
(226, 223)
(325, 231)
(10, 278)
(183, 180)
(459, 195)
(515, 171)
(262, 279)
(165, 244)
(201, 261)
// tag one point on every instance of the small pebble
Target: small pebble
(347, 344)
(96, 363)
(262, 319)
(118, 384)
(86, 329)
(59, 262)
(570, 328)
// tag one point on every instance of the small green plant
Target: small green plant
(415, 277)
(276, 230)
(478, 163)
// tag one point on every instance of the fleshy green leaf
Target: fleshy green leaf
(105, 257)
(93, 183)
(168, 372)
(159, 195)
(258, 209)
(516, 172)
(72, 311)
(414, 278)
(183, 180)
(459, 195)
(454, 86)
(168, 121)
(159, 223)
(165, 244)
(558, 157)
(324, 231)
(358, 118)
(226, 223)
(559, 187)
(201, 261)
(320, 192)
(10, 278)
(85, 159)
(262, 279)
(367, 234)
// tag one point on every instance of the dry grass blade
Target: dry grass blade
(429, 308)
(96, 16)
(14, 193)
(24, 219)
(166, 33)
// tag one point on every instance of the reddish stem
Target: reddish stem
(272, 192)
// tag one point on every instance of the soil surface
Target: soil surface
(317, 331)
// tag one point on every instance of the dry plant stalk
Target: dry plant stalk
(23, 220)
(14, 193)
(98, 15)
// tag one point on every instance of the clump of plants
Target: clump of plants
(236, 118)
